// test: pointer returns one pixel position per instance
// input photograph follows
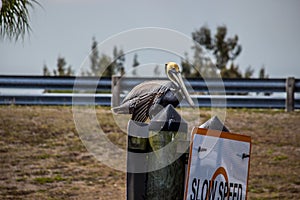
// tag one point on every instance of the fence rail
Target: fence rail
(230, 85)
(56, 83)
(87, 90)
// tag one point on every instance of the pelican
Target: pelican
(148, 98)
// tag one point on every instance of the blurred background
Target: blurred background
(65, 30)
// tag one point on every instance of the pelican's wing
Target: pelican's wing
(141, 98)
(137, 106)
(146, 88)
(141, 105)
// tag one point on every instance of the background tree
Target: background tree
(94, 57)
(262, 75)
(105, 62)
(14, 18)
(197, 61)
(99, 63)
(46, 71)
(61, 63)
(249, 72)
(224, 49)
(231, 72)
(104, 65)
(186, 66)
(119, 60)
(61, 69)
(203, 66)
(199, 66)
(157, 71)
(135, 64)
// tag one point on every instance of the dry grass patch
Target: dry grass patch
(42, 156)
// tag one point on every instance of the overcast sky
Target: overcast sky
(268, 30)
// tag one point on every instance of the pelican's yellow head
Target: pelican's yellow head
(172, 66)
(173, 73)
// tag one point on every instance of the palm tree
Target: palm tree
(14, 18)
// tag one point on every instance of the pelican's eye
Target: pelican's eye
(176, 68)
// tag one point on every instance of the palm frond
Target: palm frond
(14, 18)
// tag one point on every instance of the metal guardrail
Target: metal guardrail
(56, 83)
(104, 84)
(105, 100)
(85, 88)
(56, 99)
(218, 85)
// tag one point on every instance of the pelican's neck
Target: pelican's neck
(173, 81)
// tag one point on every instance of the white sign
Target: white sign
(218, 166)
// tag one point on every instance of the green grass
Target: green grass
(280, 158)
(44, 180)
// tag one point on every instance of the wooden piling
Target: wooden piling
(137, 143)
(168, 182)
(290, 94)
(115, 88)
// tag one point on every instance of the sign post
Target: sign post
(218, 165)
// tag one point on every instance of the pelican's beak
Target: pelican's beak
(181, 85)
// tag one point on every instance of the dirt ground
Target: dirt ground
(42, 157)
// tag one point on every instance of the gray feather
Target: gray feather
(141, 98)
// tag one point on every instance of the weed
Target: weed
(280, 158)
(44, 180)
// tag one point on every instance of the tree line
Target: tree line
(224, 50)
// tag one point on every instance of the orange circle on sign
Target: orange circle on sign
(219, 171)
